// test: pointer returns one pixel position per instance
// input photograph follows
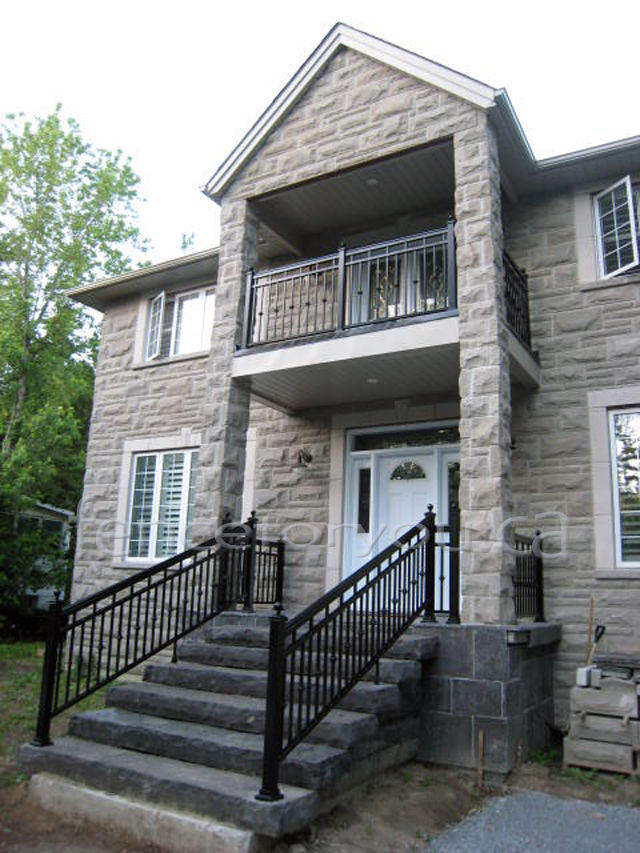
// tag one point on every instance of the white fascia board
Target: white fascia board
(344, 36)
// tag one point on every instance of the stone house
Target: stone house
(406, 308)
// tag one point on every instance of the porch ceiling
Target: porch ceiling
(420, 180)
(357, 368)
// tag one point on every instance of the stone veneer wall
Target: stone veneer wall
(289, 493)
(356, 110)
(485, 408)
(587, 339)
(129, 403)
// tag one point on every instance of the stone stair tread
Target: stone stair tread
(363, 696)
(308, 765)
(229, 710)
(222, 795)
(238, 635)
(392, 670)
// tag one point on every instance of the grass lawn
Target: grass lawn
(20, 672)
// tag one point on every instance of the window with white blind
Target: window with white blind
(161, 503)
(617, 219)
(179, 324)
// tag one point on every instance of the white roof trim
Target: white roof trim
(344, 36)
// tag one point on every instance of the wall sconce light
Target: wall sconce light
(304, 457)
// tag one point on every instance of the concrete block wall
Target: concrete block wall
(587, 340)
(492, 679)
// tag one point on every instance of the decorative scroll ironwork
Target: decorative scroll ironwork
(101, 637)
(319, 655)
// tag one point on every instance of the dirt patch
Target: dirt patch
(399, 810)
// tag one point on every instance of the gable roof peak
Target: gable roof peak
(342, 35)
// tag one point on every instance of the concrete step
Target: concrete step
(313, 766)
(220, 795)
(241, 634)
(340, 728)
(414, 645)
(392, 670)
(364, 696)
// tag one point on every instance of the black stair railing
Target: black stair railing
(95, 640)
(316, 657)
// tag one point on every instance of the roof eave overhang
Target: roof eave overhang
(99, 294)
(339, 36)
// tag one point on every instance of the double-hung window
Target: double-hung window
(179, 324)
(624, 435)
(617, 215)
(161, 503)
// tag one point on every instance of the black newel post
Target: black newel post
(42, 737)
(430, 566)
(280, 572)
(274, 721)
(226, 582)
(247, 328)
(250, 562)
(537, 542)
(454, 565)
(452, 294)
(341, 314)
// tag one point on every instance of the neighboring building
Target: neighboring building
(360, 346)
(54, 524)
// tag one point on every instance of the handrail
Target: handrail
(102, 636)
(316, 657)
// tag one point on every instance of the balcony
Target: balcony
(305, 337)
(352, 288)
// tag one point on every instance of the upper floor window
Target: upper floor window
(179, 324)
(617, 215)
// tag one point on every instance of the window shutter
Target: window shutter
(170, 504)
(616, 228)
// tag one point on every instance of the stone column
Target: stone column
(485, 395)
(226, 405)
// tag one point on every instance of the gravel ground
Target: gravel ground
(530, 821)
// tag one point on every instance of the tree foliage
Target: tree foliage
(66, 218)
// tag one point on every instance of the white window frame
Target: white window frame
(613, 459)
(202, 299)
(159, 455)
(626, 182)
(153, 337)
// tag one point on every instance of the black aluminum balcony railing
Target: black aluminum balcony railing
(516, 300)
(407, 277)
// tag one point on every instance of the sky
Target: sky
(176, 85)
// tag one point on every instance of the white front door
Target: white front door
(388, 491)
(407, 484)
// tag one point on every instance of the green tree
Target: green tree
(67, 217)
